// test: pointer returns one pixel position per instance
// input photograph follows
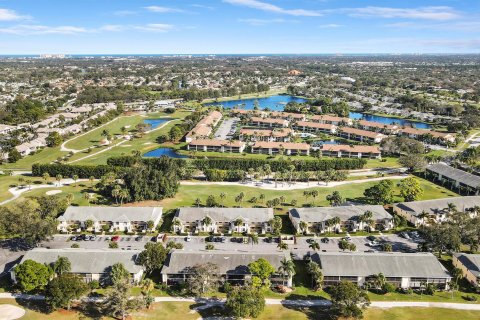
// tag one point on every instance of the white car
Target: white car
(188, 238)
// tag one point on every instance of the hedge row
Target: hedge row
(279, 165)
(224, 175)
(68, 170)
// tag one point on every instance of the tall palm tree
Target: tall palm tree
(286, 269)
(314, 245)
(303, 226)
(223, 195)
(207, 221)
(282, 246)
(253, 238)
(379, 280)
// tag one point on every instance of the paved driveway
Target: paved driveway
(227, 129)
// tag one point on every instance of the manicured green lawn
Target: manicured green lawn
(45, 155)
(420, 314)
(143, 144)
(187, 194)
(92, 138)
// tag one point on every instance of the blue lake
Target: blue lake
(276, 103)
(157, 153)
(155, 123)
(388, 120)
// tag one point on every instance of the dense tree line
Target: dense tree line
(280, 165)
(69, 170)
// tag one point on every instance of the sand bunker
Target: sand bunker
(10, 312)
(52, 192)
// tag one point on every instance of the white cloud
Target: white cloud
(427, 13)
(255, 4)
(40, 29)
(124, 13)
(113, 28)
(10, 15)
(155, 27)
(262, 22)
(466, 26)
(159, 9)
(201, 6)
(330, 26)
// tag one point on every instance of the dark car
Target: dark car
(139, 238)
(325, 240)
(371, 238)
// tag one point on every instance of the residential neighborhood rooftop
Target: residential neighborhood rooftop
(113, 214)
(87, 260)
(228, 262)
(391, 264)
(225, 214)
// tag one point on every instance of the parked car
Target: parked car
(405, 235)
(73, 238)
(139, 238)
(188, 238)
(348, 238)
(92, 238)
(115, 238)
(325, 240)
(371, 238)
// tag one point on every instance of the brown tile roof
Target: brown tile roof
(315, 125)
(266, 133)
(286, 115)
(329, 118)
(269, 120)
(284, 145)
(374, 124)
(217, 143)
(363, 133)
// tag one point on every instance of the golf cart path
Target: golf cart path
(302, 303)
(287, 186)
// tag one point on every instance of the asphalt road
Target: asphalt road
(197, 243)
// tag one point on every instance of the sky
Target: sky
(239, 26)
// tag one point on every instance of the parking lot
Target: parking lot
(227, 129)
(196, 243)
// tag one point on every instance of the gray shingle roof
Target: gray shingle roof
(225, 214)
(433, 206)
(228, 262)
(390, 264)
(455, 174)
(114, 214)
(87, 260)
(470, 261)
(318, 214)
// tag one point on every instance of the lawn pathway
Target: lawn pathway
(291, 186)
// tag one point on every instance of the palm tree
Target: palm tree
(123, 194)
(75, 178)
(282, 246)
(70, 198)
(303, 226)
(314, 245)
(207, 221)
(379, 280)
(451, 207)
(176, 222)
(223, 195)
(198, 202)
(87, 197)
(91, 179)
(287, 268)
(254, 238)
(59, 178)
(336, 221)
(46, 176)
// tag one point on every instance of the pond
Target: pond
(157, 153)
(155, 123)
(319, 143)
(278, 102)
(389, 120)
(275, 103)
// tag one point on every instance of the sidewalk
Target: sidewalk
(300, 303)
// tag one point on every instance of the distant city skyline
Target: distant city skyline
(31, 27)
